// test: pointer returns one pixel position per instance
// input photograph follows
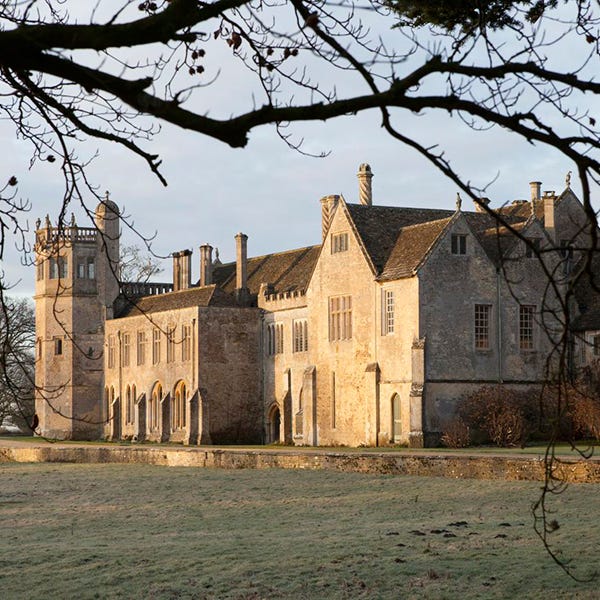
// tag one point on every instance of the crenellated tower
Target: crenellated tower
(76, 286)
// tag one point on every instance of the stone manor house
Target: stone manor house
(368, 338)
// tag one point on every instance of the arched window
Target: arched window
(155, 398)
(178, 404)
(106, 404)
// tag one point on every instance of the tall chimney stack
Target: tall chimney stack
(182, 270)
(241, 267)
(536, 190)
(328, 206)
(549, 221)
(365, 191)
(205, 264)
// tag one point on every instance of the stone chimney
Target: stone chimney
(328, 206)
(536, 189)
(241, 267)
(182, 270)
(549, 200)
(479, 206)
(365, 191)
(205, 264)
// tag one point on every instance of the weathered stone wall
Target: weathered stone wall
(283, 372)
(342, 391)
(511, 468)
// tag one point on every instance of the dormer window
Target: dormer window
(339, 243)
(459, 243)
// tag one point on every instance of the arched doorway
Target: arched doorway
(274, 425)
(396, 420)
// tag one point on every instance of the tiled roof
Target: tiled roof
(209, 295)
(496, 239)
(285, 271)
(379, 226)
(412, 245)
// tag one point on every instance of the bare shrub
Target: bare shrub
(456, 433)
(503, 416)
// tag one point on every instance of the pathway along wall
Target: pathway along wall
(511, 468)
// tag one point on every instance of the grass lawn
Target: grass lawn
(138, 531)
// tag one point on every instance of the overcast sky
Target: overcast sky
(271, 192)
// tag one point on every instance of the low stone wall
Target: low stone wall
(515, 468)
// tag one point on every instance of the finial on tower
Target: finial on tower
(458, 201)
(568, 179)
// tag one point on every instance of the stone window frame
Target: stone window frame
(482, 318)
(110, 353)
(186, 342)
(156, 334)
(58, 345)
(339, 242)
(170, 333)
(125, 349)
(275, 339)
(300, 335)
(141, 347)
(458, 244)
(388, 311)
(178, 406)
(58, 267)
(527, 333)
(340, 318)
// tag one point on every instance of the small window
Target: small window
(126, 349)
(339, 243)
(186, 342)
(300, 328)
(532, 249)
(58, 346)
(170, 344)
(388, 306)
(482, 326)
(459, 243)
(111, 352)
(80, 270)
(40, 269)
(275, 338)
(62, 267)
(155, 346)
(141, 347)
(53, 268)
(526, 327)
(91, 268)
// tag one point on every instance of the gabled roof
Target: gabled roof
(412, 246)
(209, 295)
(379, 227)
(495, 238)
(285, 271)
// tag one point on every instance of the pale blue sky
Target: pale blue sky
(271, 192)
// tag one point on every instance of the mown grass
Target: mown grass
(138, 531)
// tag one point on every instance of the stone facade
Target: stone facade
(368, 338)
